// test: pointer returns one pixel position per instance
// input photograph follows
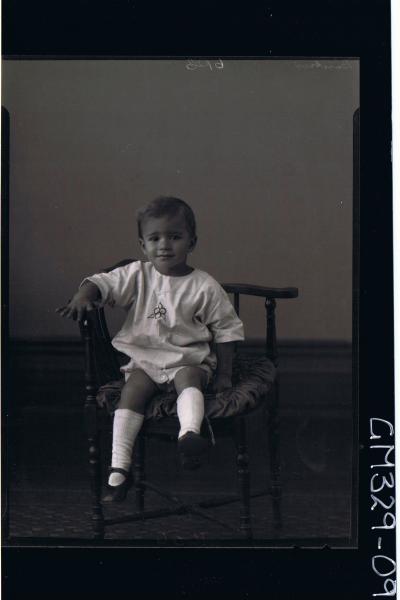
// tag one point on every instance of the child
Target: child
(174, 313)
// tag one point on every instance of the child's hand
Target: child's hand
(221, 383)
(76, 308)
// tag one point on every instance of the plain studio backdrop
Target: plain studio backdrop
(263, 152)
(261, 149)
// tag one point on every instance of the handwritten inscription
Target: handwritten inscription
(383, 565)
(325, 66)
(211, 65)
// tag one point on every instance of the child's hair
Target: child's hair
(167, 206)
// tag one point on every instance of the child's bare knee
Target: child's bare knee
(137, 392)
(189, 377)
(132, 400)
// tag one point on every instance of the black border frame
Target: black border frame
(279, 29)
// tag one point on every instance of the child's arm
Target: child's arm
(223, 376)
(116, 288)
(82, 302)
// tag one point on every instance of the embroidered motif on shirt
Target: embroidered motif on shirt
(159, 312)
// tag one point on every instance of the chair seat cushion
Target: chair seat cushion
(252, 379)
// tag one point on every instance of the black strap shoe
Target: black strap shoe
(117, 493)
(191, 447)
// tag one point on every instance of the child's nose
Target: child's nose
(164, 243)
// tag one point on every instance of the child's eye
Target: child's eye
(153, 238)
(176, 237)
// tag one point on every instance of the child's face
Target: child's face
(166, 242)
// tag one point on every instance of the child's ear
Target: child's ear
(193, 243)
(142, 246)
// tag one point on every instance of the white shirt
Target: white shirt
(170, 320)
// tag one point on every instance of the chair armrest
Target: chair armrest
(259, 290)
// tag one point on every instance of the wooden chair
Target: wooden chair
(255, 388)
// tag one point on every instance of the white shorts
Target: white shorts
(165, 380)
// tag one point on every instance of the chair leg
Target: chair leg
(95, 480)
(243, 473)
(139, 472)
(91, 419)
(94, 469)
(274, 457)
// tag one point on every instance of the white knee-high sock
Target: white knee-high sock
(127, 424)
(190, 409)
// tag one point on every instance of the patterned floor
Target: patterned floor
(305, 517)
(49, 496)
